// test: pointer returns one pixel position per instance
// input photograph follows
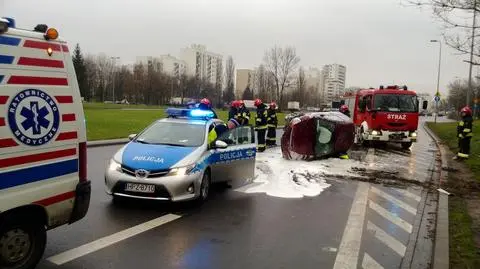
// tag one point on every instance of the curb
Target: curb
(120, 141)
(441, 248)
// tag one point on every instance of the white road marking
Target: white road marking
(409, 194)
(347, 256)
(390, 216)
(392, 199)
(388, 240)
(106, 241)
(330, 249)
(369, 263)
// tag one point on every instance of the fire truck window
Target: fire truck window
(396, 103)
(368, 101)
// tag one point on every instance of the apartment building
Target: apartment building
(244, 78)
(334, 76)
(203, 64)
(173, 66)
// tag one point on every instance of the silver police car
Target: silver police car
(172, 160)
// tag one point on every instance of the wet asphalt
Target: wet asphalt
(242, 230)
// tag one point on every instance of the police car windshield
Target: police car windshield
(396, 103)
(173, 134)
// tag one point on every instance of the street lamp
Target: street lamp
(113, 75)
(437, 94)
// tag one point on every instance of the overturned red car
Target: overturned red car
(316, 135)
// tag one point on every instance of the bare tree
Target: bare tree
(91, 72)
(301, 86)
(229, 93)
(459, 22)
(281, 62)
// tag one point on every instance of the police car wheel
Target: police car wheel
(205, 187)
(22, 242)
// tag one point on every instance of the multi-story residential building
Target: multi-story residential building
(244, 78)
(155, 62)
(173, 66)
(202, 64)
(334, 76)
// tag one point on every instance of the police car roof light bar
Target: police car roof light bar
(189, 113)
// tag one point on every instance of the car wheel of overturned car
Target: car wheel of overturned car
(204, 187)
(406, 145)
(22, 242)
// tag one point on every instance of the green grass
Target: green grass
(447, 132)
(463, 252)
(110, 121)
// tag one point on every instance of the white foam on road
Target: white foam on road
(106, 241)
(278, 177)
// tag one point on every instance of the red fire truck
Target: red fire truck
(388, 114)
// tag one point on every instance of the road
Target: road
(353, 223)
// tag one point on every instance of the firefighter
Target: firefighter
(261, 124)
(272, 123)
(233, 109)
(205, 104)
(243, 118)
(345, 111)
(464, 133)
(243, 115)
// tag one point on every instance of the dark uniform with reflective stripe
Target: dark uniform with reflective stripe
(261, 126)
(242, 115)
(464, 133)
(243, 118)
(272, 123)
(232, 112)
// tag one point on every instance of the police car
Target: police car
(43, 166)
(173, 160)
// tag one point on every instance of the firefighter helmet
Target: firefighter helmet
(273, 105)
(344, 108)
(206, 102)
(258, 102)
(467, 111)
(235, 103)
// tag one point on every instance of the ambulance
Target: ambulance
(43, 165)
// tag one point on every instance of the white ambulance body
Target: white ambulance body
(43, 180)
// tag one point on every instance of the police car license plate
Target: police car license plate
(135, 187)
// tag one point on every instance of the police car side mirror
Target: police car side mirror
(220, 144)
(425, 104)
(132, 136)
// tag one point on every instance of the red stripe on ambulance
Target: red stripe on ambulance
(68, 117)
(66, 136)
(64, 99)
(41, 45)
(2, 121)
(37, 80)
(37, 157)
(65, 48)
(56, 199)
(7, 142)
(40, 62)
(3, 100)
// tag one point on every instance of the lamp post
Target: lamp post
(113, 76)
(437, 94)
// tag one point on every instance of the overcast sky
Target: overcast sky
(380, 41)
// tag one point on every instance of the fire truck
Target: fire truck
(386, 114)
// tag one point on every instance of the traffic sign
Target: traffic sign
(436, 98)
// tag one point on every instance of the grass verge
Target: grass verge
(110, 121)
(464, 220)
(463, 250)
(447, 132)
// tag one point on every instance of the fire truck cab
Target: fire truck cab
(385, 114)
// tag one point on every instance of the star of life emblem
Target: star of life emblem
(33, 117)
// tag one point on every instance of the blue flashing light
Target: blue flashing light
(198, 113)
(189, 113)
(11, 22)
